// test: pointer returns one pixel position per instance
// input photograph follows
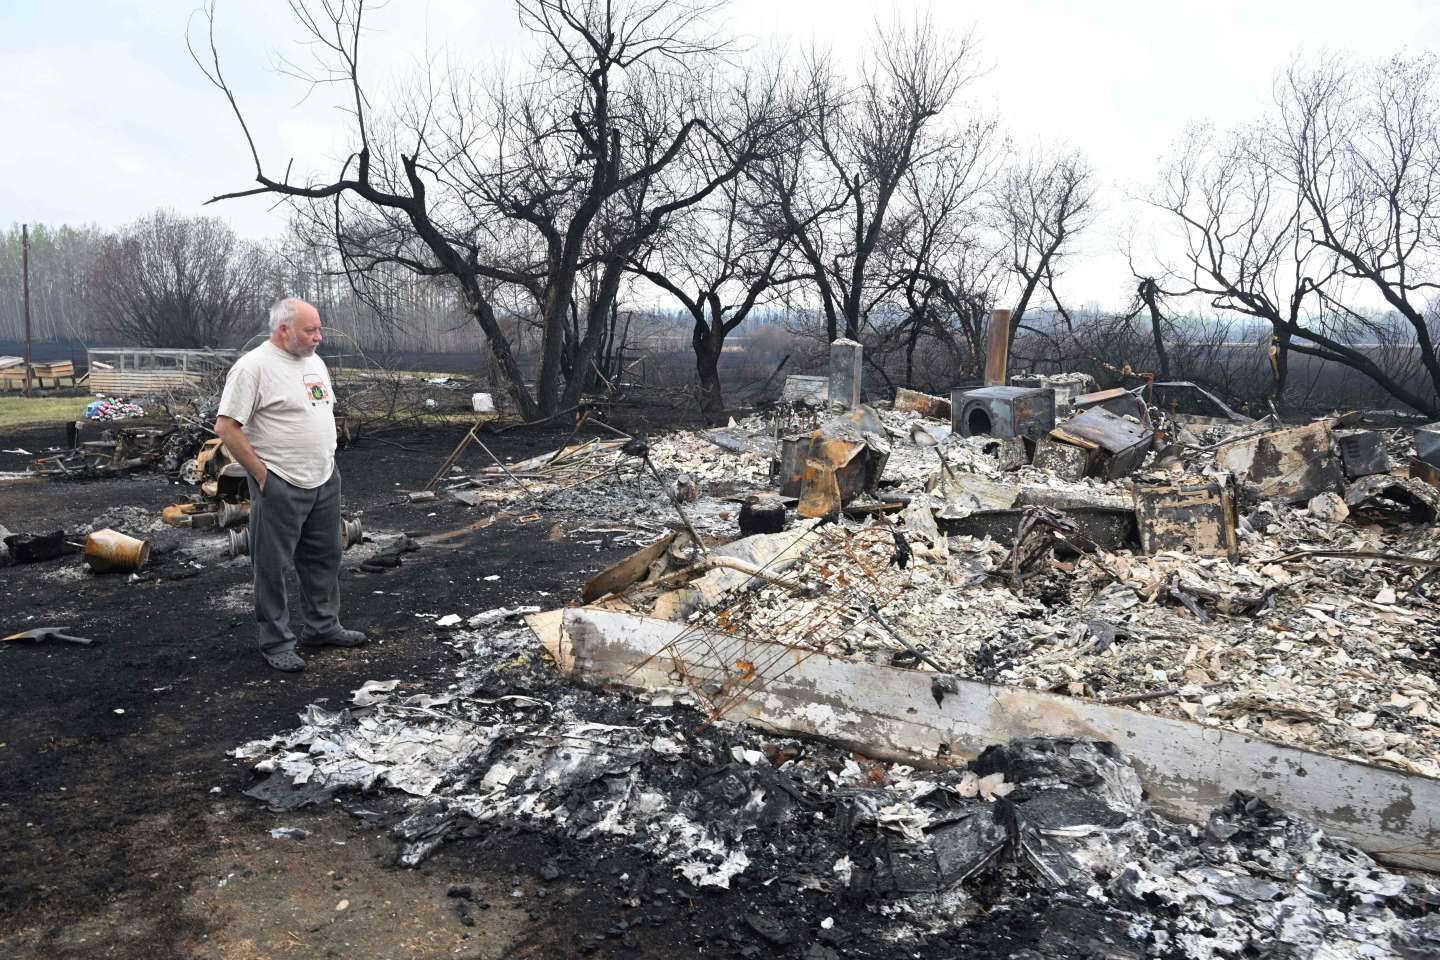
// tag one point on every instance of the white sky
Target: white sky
(106, 117)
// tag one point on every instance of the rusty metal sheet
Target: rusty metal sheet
(893, 713)
(820, 494)
(1122, 443)
(1292, 464)
(1196, 517)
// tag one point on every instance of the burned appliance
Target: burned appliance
(1003, 412)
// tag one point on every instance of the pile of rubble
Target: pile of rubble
(1264, 578)
(958, 606)
(1040, 847)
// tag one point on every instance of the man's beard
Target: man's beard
(299, 349)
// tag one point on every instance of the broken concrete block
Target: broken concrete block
(913, 401)
(893, 713)
(1328, 506)
(845, 373)
(1064, 460)
(1118, 445)
(1291, 464)
(762, 513)
(811, 391)
(1362, 453)
(1427, 443)
(1198, 517)
(1003, 412)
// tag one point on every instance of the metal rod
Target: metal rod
(675, 501)
(498, 463)
(465, 442)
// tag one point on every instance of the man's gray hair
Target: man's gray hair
(284, 312)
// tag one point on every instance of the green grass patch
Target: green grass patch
(30, 411)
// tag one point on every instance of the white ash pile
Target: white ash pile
(1043, 845)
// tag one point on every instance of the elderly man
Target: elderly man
(277, 419)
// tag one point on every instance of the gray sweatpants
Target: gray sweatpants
(292, 525)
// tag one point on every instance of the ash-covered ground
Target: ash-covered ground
(732, 843)
(495, 811)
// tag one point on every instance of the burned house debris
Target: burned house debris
(903, 676)
(1172, 673)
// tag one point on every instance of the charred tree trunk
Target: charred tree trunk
(707, 367)
(1149, 292)
(1279, 364)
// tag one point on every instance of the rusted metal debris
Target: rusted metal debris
(131, 448)
(1291, 464)
(1117, 446)
(913, 401)
(1003, 412)
(1197, 516)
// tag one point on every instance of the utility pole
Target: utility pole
(25, 282)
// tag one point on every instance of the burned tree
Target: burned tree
(505, 185)
(720, 262)
(168, 281)
(1297, 221)
(1361, 148)
(835, 187)
(941, 267)
(1041, 204)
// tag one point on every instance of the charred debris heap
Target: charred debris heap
(1120, 672)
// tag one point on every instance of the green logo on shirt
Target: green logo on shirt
(315, 387)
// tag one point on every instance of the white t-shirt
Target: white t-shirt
(287, 408)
